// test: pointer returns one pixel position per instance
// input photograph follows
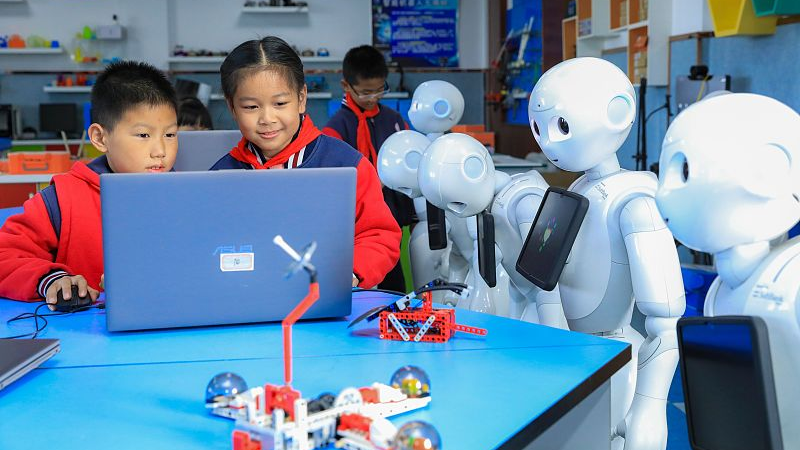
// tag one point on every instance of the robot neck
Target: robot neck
(736, 264)
(608, 166)
(421, 208)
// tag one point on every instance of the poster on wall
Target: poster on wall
(521, 62)
(416, 33)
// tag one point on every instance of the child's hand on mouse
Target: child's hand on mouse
(65, 284)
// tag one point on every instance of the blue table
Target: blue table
(5, 213)
(522, 383)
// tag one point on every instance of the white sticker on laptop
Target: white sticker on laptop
(236, 262)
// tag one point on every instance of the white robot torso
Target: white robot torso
(772, 292)
(596, 288)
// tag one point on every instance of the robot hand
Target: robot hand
(645, 425)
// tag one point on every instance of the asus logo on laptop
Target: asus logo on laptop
(232, 249)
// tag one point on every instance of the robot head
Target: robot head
(581, 111)
(457, 174)
(730, 172)
(436, 106)
(398, 161)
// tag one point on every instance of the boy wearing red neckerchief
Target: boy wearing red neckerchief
(365, 124)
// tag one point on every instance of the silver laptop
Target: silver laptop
(199, 150)
(20, 356)
(195, 248)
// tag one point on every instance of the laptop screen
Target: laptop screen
(727, 386)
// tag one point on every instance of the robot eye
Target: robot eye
(536, 128)
(685, 172)
(563, 126)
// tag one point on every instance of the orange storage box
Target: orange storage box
(38, 162)
(485, 138)
(3, 165)
(467, 129)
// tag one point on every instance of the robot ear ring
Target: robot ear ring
(474, 168)
(621, 111)
(412, 159)
(442, 108)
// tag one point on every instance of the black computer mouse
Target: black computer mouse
(73, 303)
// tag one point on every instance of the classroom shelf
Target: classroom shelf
(618, 17)
(623, 23)
(67, 89)
(639, 10)
(275, 9)
(569, 38)
(738, 17)
(196, 59)
(637, 53)
(39, 142)
(776, 7)
(591, 28)
(24, 179)
(311, 96)
(31, 51)
(399, 95)
(219, 59)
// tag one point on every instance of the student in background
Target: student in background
(365, 124)
(56, 242)
(193, 115)
(264, 86)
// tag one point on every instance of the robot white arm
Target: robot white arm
(658, 290)
(548, 305)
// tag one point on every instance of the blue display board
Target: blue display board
(523, 20)
(417, 33)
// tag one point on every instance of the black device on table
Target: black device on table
(551, 236)
(74, 303)
(728, 383)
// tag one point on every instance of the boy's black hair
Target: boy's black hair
(127, 84)
(192, 112)
(269, 53)
(364, 62)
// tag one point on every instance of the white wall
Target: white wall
(145, 21)
(220, 25)
(690, 16)
(154, 26)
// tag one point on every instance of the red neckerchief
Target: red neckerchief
(308, 132)
(363, 136)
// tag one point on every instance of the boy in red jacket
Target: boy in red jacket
(56, 242)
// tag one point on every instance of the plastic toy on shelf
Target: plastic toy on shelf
(34, 41)
(399, 321)
(180, 50)
(278, 417)
(80, 79)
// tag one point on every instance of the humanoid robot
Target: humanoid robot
(729, 193)
(398, 160)
(580, 112)
(457, 174)
(435, 107)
